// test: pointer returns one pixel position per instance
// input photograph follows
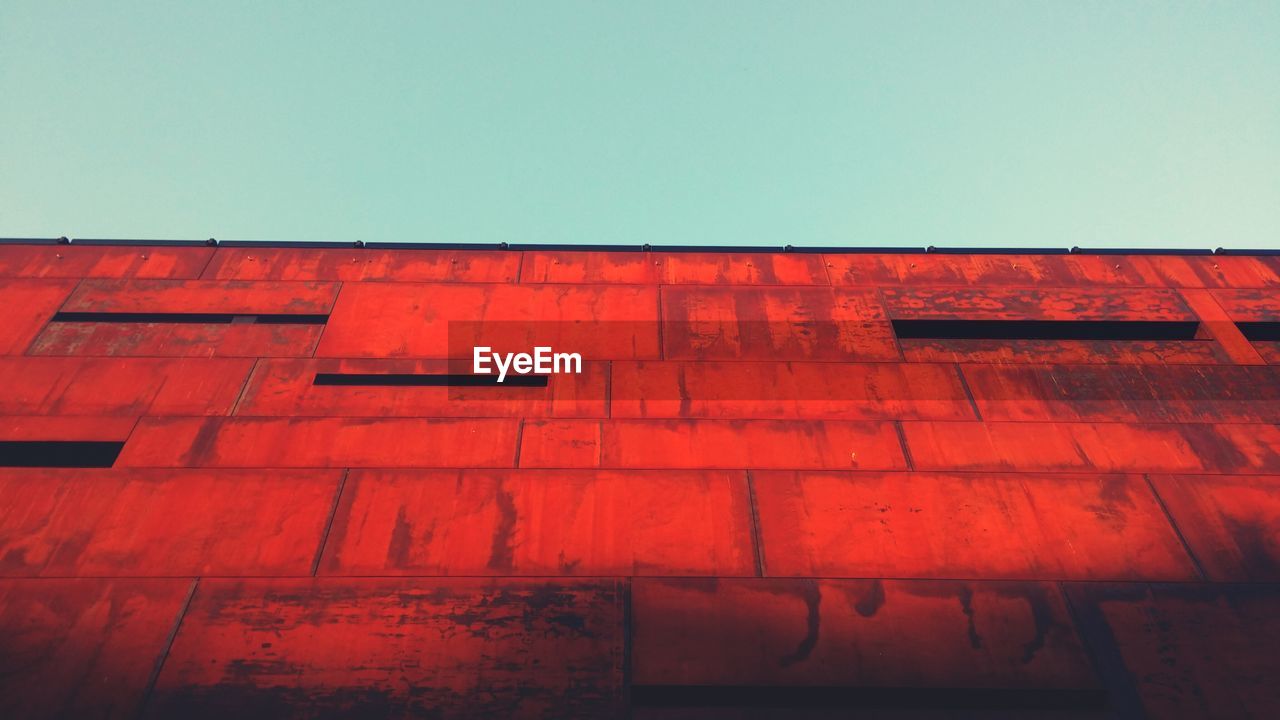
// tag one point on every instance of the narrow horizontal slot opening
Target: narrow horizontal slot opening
(856, 697)
(427, 380)
(1265, 331)
(59, 453)
(1118, 330)
(191, 318)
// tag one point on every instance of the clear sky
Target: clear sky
(671, 122)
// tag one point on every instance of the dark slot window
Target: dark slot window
(58, 453)
(1266, 331)
(1045, 329)
(426, 380)
(976, 699)
(191, 318)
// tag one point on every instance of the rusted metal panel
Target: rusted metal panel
(439, 321)
(1249, 305)
(1035, 304)
(1230, 522)
(1013, 526)
(142, 523)
(1217, 324)
(176, 340)
(1132, 393)
(723, 268)
(43, 427)
(775, 324)
(71, 261)
(126, 386)
(1096, 352)
(1197, 271)
(855, 633)
(286, 387)
(397, 648)
(1094, 447)
(989, 270)
(1015, 270)
(1184, 651)
(28, 305)
(559, 444)
(784, 444)
(774, 390)
(240, 442)
(202, 296)
(83, 648)
(542, 522)
(281, 263)
(612, 268)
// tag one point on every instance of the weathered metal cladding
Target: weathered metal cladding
(28, 306)
(100, 261)
(287, 388)
(120, 386)
(755, 500)
(139, 523)
(356, 264)
(83, 647)
(1184, 650)
(398, 647)
(441, 321)
(1010, 526)
(542, 522)
(854, 633)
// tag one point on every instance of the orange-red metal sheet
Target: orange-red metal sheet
(776, 324)
(83, 648)
(1094, 447)
(177, 340)
(141, 523)
(612, 268)
(1184, 651)
(286, 387)
(1127, 393)
(45, 427)
(398, 648)
(320, 443)
(1083, 303)
(1012, 526)
(76, 261)
(127, 386)
(284, 263)
(202, 296)
(783, 444)
(542, 522)
(438, 321)
(1230, 522)
(28, 305)
(1013, 270)
(725, 268)
(854, 633)
(774, 390)
(1249, 305)
(1082, 352)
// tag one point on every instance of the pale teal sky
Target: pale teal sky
(671, 122)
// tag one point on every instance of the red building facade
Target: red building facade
(247, 480)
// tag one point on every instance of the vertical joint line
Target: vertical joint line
(964, 383)
(248, 380)
(164, 651)
(756, 538)
(662, 351)
(902, 441)
(519, 442)
(333, 513)
(520, 269)
(608, 391)
(1168, 516)
(325, 327)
